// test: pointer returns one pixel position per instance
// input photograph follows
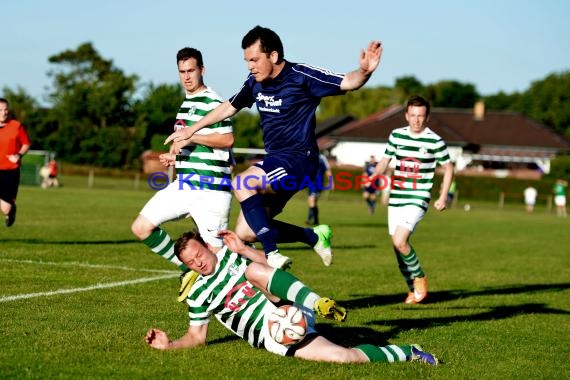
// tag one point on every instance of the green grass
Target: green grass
(499, 292)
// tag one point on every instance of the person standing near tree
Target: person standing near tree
(417, 150)
(287, 95)
(14, 143)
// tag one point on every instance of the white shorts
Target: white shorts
(405, 216)
(209, 208)
(560, 200)
(270, 344)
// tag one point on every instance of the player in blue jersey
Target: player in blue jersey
(287, 95)
(240, 294)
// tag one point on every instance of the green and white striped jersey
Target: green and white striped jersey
(233, 300)
(200, 166)
(416, 158)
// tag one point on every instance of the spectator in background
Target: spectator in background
(14, 143)
(317, 186)
(370, 189)
(49, 174)
(530, 194)
(559, 189)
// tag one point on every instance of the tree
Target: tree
(548, 101)
(247, 132)
(89, 95)
(452, 94)
(407, 86)
(359, 104)
(156, 114)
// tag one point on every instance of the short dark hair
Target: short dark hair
(183, 240)
(5, 101)
(187, 53)
(269, 41)
(418, 101)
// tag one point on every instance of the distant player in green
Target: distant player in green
(417, 150)
(202, 188)
(240, 294)
(559, 189)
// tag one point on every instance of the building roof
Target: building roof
(459, 127)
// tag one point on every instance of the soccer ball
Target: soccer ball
(287, 325)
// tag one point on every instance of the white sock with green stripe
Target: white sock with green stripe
(160, 243)
(386, 354)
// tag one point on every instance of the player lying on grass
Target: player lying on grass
(241, 295)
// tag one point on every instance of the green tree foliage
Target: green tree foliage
(451, 94)
(407, 86)
(91, 103)
(359, 104)
(156, 115)
(560, 168)
(247, 133)
(548, 101)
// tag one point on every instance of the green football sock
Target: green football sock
(286, 286)
(386, 354)
(160, 243)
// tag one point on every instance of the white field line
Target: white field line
(169, 274)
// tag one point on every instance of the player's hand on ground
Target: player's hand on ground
(157, 339)
(232, 241)
(370, 58)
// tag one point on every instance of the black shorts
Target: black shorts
(9, 182)
(287, 174)
(308, 339)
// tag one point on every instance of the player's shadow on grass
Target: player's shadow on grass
(352, 336)
(495, 313)
(451, 295)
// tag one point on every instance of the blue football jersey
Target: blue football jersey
(287, 105)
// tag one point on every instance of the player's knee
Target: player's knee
(401, 246)
(140, 229)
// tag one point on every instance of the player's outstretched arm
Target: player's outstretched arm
(195, 336)
(369, 61)
(221, 112)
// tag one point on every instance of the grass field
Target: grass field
(78, 293)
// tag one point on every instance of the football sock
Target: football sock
(290, 233)
(160, 243)
(287, 287)
(257, 219)
(316, 215)
(311, 215)
(409, 267)
(386, 354)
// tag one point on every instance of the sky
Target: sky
(496, 45)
